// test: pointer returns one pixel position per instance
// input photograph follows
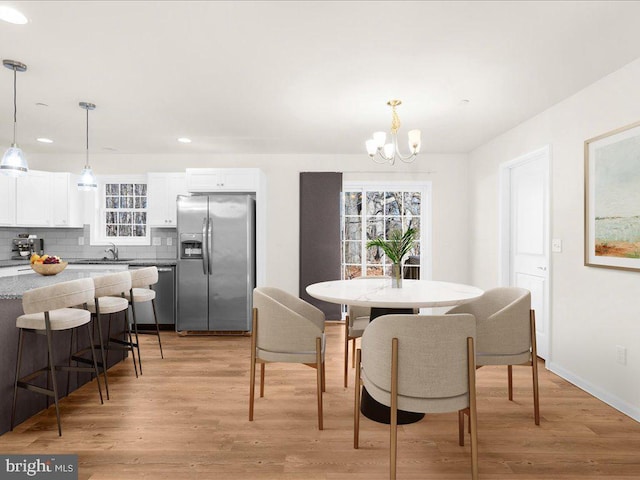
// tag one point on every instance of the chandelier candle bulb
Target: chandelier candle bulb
(414, 141)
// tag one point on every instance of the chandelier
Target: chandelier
(382, 152)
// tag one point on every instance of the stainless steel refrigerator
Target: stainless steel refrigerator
(216, 262)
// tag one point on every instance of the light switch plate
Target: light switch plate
(157, 241)
(169, 241)
(556, 245)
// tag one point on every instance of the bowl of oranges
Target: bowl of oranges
(47, 264)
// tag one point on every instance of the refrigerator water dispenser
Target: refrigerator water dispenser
(191, 246)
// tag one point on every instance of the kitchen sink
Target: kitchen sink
(103, 260)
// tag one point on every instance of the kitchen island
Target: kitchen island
(34, 354)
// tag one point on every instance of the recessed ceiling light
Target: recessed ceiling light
(184, 140)
(12, 15)
(44, 140)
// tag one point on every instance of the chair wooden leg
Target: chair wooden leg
(510, 381)
(319, 372)
(461, 427)
(346, 351)
(534, 369)
(356, 408)
(324, 377)
(353, 353)
(393, 447)
(473, 414)
(252, 384)
(262, 367)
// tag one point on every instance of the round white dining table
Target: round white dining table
(383, 299)
(379, 293)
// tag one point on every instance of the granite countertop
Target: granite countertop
(159, 262)
(12, 287)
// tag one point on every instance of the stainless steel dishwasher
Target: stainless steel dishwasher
(165, 300)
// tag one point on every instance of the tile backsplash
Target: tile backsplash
(64, 243)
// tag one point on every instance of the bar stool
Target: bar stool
(109, 299)
(142, 281)
(47, 309)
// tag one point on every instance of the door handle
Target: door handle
(542, 268)
(205, 260)
(210, 242)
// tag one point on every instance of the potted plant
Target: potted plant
(395, 248)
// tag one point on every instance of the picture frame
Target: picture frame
(612, 199)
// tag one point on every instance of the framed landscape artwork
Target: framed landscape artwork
(612, 199)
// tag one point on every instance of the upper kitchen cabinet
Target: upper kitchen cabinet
(66, 200)
(33, 199)
(7, 200)
(223, 179)
(162, 190)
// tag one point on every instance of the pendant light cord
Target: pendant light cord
(86, 162)
(15, 105)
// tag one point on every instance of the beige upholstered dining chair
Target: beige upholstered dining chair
(506, 333)
(48, 309)
(286, 329)
(420, 364)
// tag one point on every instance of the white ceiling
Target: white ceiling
(299, 77)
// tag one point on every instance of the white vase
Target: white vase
(396, 275)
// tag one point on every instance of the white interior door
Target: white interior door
(526, 232)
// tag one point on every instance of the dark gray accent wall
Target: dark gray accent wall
(320, 234)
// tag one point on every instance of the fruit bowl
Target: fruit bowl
(49, 268)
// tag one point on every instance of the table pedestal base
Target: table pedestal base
(371, 408)
(380, 413)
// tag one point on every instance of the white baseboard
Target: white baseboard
(606, 397)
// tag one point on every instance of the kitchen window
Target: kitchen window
(121, 216)
(372, 211)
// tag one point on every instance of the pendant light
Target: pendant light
(13, 162)
(87, 180)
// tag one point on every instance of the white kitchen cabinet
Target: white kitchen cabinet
(66, 202)
(223, 179)
(33, 199)
(162, 190)
(7, 200)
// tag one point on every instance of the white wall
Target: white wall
(593, 309)
(446, 172)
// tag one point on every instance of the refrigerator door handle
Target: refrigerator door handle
(210, 243)
(205, 251)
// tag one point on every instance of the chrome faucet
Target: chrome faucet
(113, 250)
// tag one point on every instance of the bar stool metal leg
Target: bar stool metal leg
(15, 384)
(155, 317)
(102, 355)
(135, 329)
(53, 370)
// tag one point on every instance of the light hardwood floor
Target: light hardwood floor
(187, 418)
